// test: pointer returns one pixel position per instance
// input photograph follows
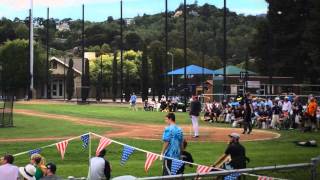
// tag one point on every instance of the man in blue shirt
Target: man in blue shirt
(172, 142)
(133, 100)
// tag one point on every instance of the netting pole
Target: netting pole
(314, 162)
(89, 157)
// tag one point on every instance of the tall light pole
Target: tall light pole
(169, 53)
(47, 62)
(121, 52)
(31, 51)
(186, 91)
(82, 44)
(166, 44)
(224, 47)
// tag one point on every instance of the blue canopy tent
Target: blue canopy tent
(191, 70)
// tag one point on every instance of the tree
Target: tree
(311, 41)
(6, 30)
(70, 80)
(22, 31)
(133, 41)
(105, 48)
(144, 74)
(15, 69)
(114, 76)
(287, 24)
(157, 56)
(110, 19)
(86, 81)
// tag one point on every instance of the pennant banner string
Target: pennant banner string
(138, 149)
(142, 150)
(51, 145)
(117, 142)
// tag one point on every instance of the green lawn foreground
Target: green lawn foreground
(262, 153)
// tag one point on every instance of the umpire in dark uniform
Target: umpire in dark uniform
(248, 109)
(195, 109)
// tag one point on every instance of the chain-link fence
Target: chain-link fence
(291, 171)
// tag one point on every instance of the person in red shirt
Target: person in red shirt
(312, 114)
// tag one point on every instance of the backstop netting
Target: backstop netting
(6, 108)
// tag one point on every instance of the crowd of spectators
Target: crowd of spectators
(287, 112)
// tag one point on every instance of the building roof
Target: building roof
(77, 63)
(232, 70)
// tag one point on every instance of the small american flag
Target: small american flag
(150, 159)
(264, 178)
(62, 146)
(203, 169)
(34, 151)
(176, 165)
(102, 144)
(127, 151)
(232, 176)
(85, 140)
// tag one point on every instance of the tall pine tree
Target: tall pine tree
(144, 74)
(70, 80)
(287, 22)
(114, 76)
(311, 41)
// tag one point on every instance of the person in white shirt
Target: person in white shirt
(7, 170)
(286, 106)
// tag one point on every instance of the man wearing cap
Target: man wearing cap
(236, 151)
(8, 170)
(51, 172)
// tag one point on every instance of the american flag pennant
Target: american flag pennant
(34, 151)
(264, 178)
(127, 151)
(150, 159)
(203, 169)
(232, 176)
(62, 146)
(102, 144)
(85, 140)
(175, 166)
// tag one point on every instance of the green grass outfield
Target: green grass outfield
(261, 153)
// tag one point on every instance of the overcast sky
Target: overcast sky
(99, 10)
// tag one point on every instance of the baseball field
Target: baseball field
(41, 123)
